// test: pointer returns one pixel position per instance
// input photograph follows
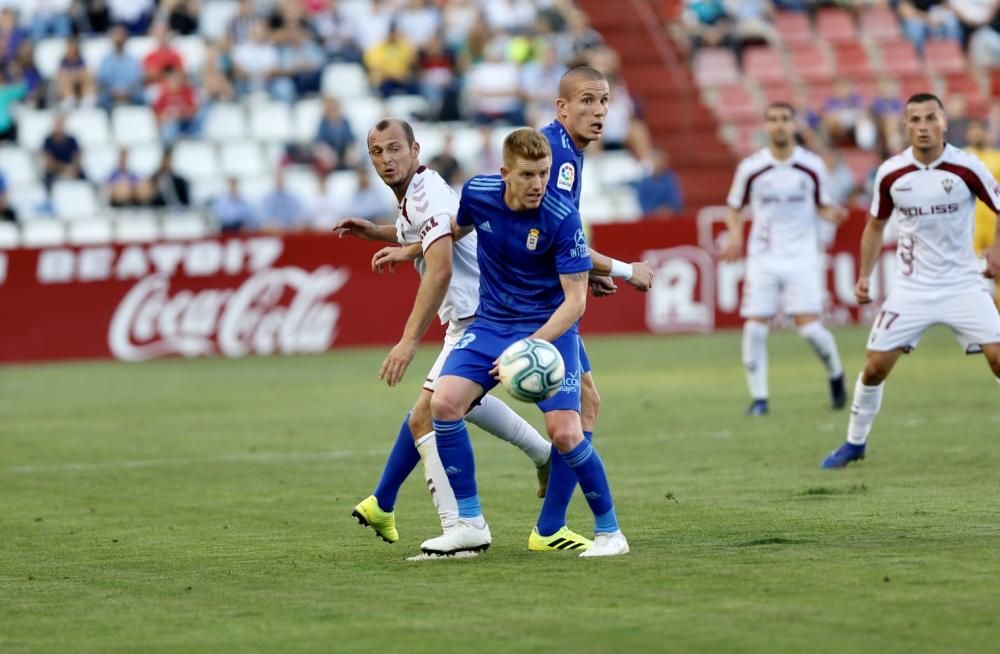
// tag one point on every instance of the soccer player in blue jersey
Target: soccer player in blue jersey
(534, 269)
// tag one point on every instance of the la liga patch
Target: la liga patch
(567, 175)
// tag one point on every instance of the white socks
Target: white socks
(755, 358)
(494, 416)
(864, 408)
(437, 481)
(825, 347)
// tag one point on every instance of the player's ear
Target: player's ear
(561, 107)
(416, 148)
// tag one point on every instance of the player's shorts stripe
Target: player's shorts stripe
(815, 178)
(971, 180)
(750, 180)
(885, 203)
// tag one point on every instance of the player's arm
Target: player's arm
(988, 190)
(833, 213)
(826, 208)
(390, 256)
(458, 232)
(871, 247)
(638, 273)
(992, 254)
(574, 303)
(733, 249)
(433, 288)
(366, 229)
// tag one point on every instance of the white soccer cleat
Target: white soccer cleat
(463, 537)
(605, 544)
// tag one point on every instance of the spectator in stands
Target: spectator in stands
(176, 106)
(91, 16)
(74, 84)
(923, 19)
(163, 56)
(419, 21)
(124, 188)
(23, 69)
(47, 18)
(374, 29)
(119, 76)
(391, 65)
(582, 36)
(280, 208)
(241, 24)
(231, 210)
(956, 107)
(623, 125)
(706, 24)
(438, 82)
(217, 72)
(457, 20)
(285, 18)
(182, 15)
(841, 184)
(488, 157)
(135, 15)
(984, 39)
(334, 145)
(369, 202)
(973, 15)
(11, 34)
(169, 189)
(6, 211)
(256, 65)
(751, 23)
(509, 15)
(445, 164)
(301, 59)
(336, 33)
(843, 113)
(888, 108)
(540, 81)
(660, 190)
(493, 89)
(11, 91)
(62, 154)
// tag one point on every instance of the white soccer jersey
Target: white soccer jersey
(934, 206)
(783, 198)
(425, 216)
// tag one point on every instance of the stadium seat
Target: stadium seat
(343, 80)
(301, 181)
(192, 51)
(137, 228)
(899, 59)
(33, 126)
(835, 26)
(185, 226)
(879, 24)
(42, 233)
(204, 191)
(308, 114)
(810, 63)
(914, 84)
(214, 18)
(98, 161)
(618, 167)
(89, 125)
(73, 199)
(140, 46)
(466, 144)
(225, 122)
(852, 61)
(255, 187)
(735, 103)
(89, 231)
(362, 113)
(17, 165)
(10, 236)
(764, 65)
(30, 201)
(861, 162)
(598, 210)
(196, 159)
(714, 67)
(48, 55)
(410, 107)
(944, 57)
(242, 159)
(779, 91)
(133, 124)
(271, 121)
(94, 49)
(145, 158)
(341, 185)
(793, 28)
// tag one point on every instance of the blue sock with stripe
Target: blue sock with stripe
(562, 483)
(589, 469)
(403, 458)
(455, 450)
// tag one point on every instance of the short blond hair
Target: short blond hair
(525, 143)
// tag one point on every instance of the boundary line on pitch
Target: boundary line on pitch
(249, 457)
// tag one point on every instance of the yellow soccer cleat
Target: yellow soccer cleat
(369, 514)
(564, 539)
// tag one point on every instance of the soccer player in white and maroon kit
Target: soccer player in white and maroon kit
(449, 288)
(931, 188)
(785, 187)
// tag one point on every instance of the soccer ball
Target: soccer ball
(532, 370)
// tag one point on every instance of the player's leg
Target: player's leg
(425, 440)
(992, 352)
(976, 323)
(760, 303)
(825, 346)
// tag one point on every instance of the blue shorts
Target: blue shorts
(482, 344)
(584, 359)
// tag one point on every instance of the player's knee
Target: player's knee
(421, 423)
(993, 356)
(446, 407)
(565, 439)
(874, 373)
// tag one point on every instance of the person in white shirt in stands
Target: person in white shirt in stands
(931, 189)
(785, 186)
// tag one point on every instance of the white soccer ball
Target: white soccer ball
(532, 370)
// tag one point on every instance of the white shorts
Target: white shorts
(456, 328)
(768, 282)
(906, 315)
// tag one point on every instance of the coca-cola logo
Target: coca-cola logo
(258, 317)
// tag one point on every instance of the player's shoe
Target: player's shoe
(542, 472)
(463, 537)
(758, 408)
(562, 540)
(838, 394)
(843, 455)
(369, 514)
(608, 544)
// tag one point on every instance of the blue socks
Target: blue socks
(455, 450)
(403, 458)
(562, 483)
(589, 469)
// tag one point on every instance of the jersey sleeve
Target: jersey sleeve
(823, 198)
(433, 209)
(464, 214)
(738, 190)
(882, 202)
(564, 177)
(572, 252)
(984, 185)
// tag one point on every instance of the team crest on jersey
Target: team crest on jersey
(567, 175)
(532, 241)
(947, 183)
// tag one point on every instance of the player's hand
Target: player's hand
(835, 213)
(495, 370)
(357, 227)
(733, 249)
(861, 292)
(387, 258)
(602, 286)
(642, 276)
(992, 256)
(394, 366)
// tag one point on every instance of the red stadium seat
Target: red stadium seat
(852, 61)
(944, 57)
(879, 24)
(819, 93)
(836, 26)
(811, 63)
(736, 104)
(899, 59)
(861, 163)
(764, 64)
(780, 91)
(793, 27)
(714, 67)
(914, 84)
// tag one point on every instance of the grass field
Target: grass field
(205, 506)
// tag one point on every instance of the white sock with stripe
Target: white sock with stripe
(864, 408)
(824, 345)
(755, 358)
(492, 415)
(437, 481)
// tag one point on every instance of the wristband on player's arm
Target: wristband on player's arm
(621, 270)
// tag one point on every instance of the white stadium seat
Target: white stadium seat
(271, 121)
(343, 80)
(48, 55)
(409, 107)
(140, 46)
(94, 49)
(619, 167)
(225, 122)
(362, 113)
(255, 187)
(185, 226)
(138, 228)
(215, 17)
(465, 145)
(308, 113)
(132, 125)
(301, 181)
(42, 233)
(10, 236)
(242, 159)
(144, 158)
(89, 231)
(341, 186)
(204, 191)
(17, 165)
(74, 199)
(29, 200)
(98, 162)
(33, 126)
(89, 125)
(192, 51)
(196, 160)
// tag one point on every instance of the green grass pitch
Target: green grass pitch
(204, 506)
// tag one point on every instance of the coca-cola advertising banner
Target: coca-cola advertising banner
(291, 294)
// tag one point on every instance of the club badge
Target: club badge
(532, 242)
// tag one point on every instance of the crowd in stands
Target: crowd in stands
(452, 66)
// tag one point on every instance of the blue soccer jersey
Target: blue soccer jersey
(521, 253)
(566, 179)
